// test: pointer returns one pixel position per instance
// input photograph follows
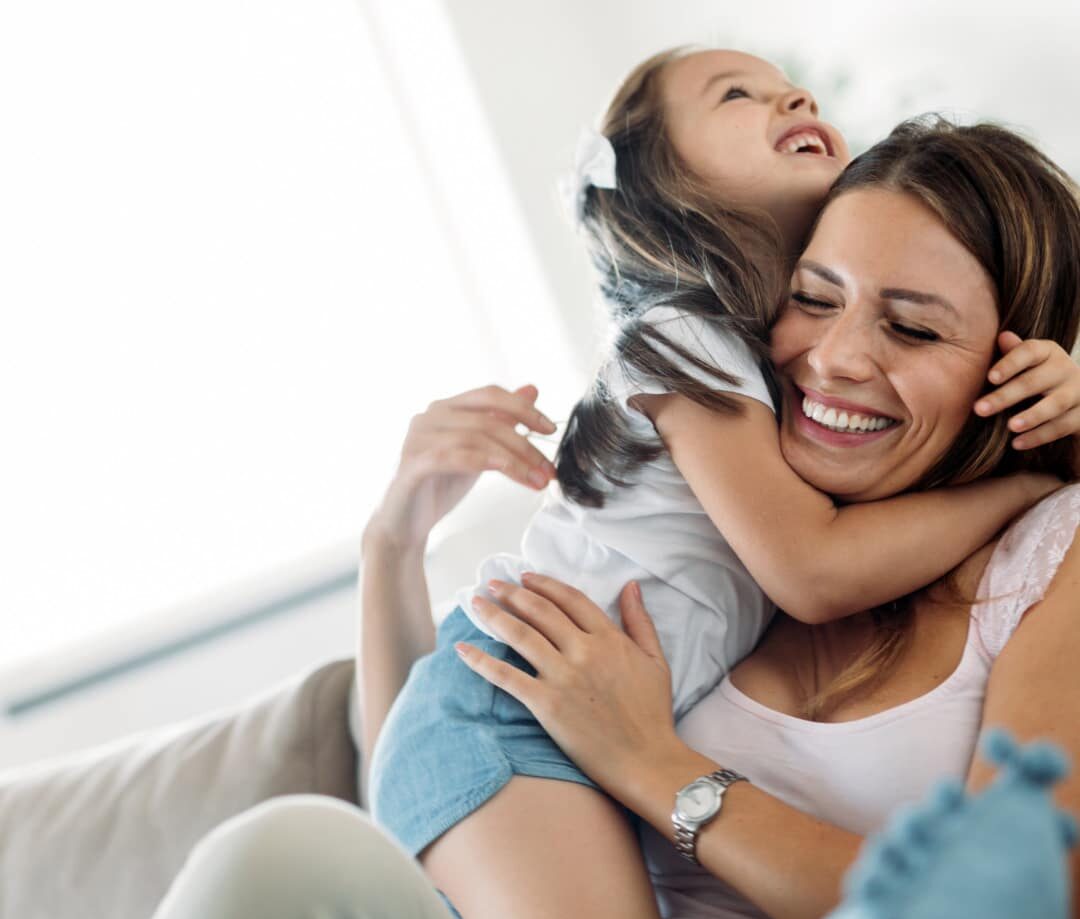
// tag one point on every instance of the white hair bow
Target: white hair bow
(594, 164)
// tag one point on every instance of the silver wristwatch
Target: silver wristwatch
(696, 805)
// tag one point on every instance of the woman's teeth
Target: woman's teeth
(846, 422)
(808, 140)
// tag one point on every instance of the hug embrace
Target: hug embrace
(808, 538)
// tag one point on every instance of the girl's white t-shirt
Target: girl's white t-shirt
(708, 611)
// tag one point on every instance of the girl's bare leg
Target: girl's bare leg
(542, 848)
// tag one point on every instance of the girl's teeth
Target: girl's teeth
(804, 140)
(846, 422)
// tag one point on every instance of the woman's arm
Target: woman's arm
(789, 864)
(1034, 688)
(447, 448)
(604, 695)
(395, 628)
(816, 561)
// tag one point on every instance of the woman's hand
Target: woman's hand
(603, 694)
(446, 449)
(1034, 368)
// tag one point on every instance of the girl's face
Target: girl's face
(739, 125)
(882, 347)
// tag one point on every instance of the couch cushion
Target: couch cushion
(102, 834)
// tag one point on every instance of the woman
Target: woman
(693, 292)
(895, 222)
(829, 342)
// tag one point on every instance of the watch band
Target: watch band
(686, 836)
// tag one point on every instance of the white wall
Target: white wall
(541, 71)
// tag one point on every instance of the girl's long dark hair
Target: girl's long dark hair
(659, 239)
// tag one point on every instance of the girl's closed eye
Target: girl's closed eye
(735, 92)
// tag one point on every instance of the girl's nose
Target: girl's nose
(799, 99)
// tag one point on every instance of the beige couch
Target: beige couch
(100, 835)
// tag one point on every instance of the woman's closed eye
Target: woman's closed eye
(911, 333)
(808, 302)
(914, 333)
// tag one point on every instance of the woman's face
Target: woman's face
(739, 125)
(882, 347)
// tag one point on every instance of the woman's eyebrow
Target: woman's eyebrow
(916, 296)
(886, 293)
(826, 274)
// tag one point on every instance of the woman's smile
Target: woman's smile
(836, 423)
(890, 310)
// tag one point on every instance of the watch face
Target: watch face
(698, 801)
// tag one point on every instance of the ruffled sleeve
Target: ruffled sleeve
(701, 338)
(1023, 564)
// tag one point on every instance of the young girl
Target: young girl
(719, 166)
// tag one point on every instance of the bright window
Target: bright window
(224, 290)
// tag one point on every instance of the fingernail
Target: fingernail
(1018, 424)
(526, 576)
(462, 650)
(537, 478)
(495, 586)
(636, 588)
(982, 407)
(1019, 443)
(994, 376)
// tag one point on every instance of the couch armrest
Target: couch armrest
(102, 834)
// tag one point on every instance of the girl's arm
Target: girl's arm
(447, 448)
(815, 560)
(604, 695)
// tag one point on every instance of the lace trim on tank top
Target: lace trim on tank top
(1023, 565)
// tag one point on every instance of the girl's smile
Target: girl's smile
(754, 138)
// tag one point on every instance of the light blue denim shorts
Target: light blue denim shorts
(451, 740)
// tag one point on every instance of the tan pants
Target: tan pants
(301, 857)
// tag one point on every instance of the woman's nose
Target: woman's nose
(799, 99)
(844, 351)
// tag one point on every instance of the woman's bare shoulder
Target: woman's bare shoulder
(1037, 537)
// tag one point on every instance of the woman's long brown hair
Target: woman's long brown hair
(1018, 214)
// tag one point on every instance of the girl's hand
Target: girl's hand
(446, 449)
(603, 694)
(1033, 368)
